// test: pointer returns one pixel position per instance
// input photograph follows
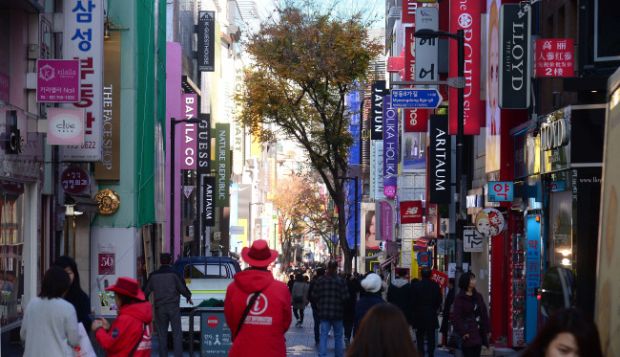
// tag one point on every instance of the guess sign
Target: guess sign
(555, 57)
(74, 180)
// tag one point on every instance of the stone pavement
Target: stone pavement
(300, 340)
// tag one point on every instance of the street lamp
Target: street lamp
(250, 204)
(173, 123)
(355, 179)
(459, 36)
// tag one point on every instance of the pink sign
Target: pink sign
(65, 126)
(74, 180)
(186, 133)
(387, 222)
(4, 87)
(58, 81)
(555, 57)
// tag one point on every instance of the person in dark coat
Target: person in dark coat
(349, 308)
(426, 301)
(75, 295)
(315, 309)
(469, 317)
(399, 294)
(369, 297)
(447, 306)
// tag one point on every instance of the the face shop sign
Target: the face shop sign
(554, 134)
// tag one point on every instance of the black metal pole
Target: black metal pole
(459, 144)
(172, 137)
(249, 223)
(355, 251)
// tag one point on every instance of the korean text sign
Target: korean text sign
(501, 191)
(83, 40)
(555, 57)
(58, 81)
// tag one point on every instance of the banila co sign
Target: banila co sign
(514, 62)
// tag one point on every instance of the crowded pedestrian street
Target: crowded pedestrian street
(346, 178)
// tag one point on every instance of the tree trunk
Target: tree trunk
(342, 233)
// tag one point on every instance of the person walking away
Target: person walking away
(130, 333)
(469, 317)
(330, 294)
(426, 301)
(369, 297)
(258, 307)
(168, 286)
(447, 306)
(348, 318)
(384, 332)
(300, 298)
(75, 295)
(567, 333)
(291, 281)
(399, 294)
(320, 272)
(50, 326)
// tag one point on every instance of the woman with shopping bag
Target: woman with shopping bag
(50, 326)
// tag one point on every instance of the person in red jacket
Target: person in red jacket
(261, 332)
(130, 333)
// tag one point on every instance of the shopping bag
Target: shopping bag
(85, 348)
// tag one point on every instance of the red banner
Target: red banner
(440, 278)
(411, 212)
(555, 57)
(395, 64)
(409, 7)
(465, 15)
(416, 120)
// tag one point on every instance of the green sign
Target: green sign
(215, 336)
(222, 164)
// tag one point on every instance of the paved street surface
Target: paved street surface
(300, 340)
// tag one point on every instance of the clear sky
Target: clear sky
(374, 10)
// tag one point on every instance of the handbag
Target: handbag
(246, 312)
(85, 348)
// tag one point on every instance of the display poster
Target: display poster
(493, 112)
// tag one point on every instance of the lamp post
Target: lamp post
(250, 224)
(459, 36)
(355, 179)
(173, 123)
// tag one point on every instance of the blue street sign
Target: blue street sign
(416, 98)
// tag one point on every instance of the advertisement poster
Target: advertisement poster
(413, 152)
(493, 112)
(372, 245)
(465, 15)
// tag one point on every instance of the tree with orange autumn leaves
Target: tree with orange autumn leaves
(302, 211)
(303, 67)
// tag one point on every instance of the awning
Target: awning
(83, 203)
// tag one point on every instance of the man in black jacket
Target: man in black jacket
(168, 287)
(315, 309)
(426, 299)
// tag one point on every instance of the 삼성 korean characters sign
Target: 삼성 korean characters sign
(555, 57)
(83, 40)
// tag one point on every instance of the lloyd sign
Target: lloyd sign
(554, 134)
(514, 61)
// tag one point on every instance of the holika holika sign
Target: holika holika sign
(514, 64)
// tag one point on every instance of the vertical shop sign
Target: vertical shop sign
(415, 120)
(206, 41)
(222, 154)
(409, 8)
(186, 137)
(83, 40)
(58, 81)
(440, 160)
(532, 275)
(109, 167)
(376, 114)
(376, 169)
(555, 57)
(390, 148)
(387, 221)
(465, 15)
(514, 59)
(426, 49)
(204, 144)
(207, 214)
